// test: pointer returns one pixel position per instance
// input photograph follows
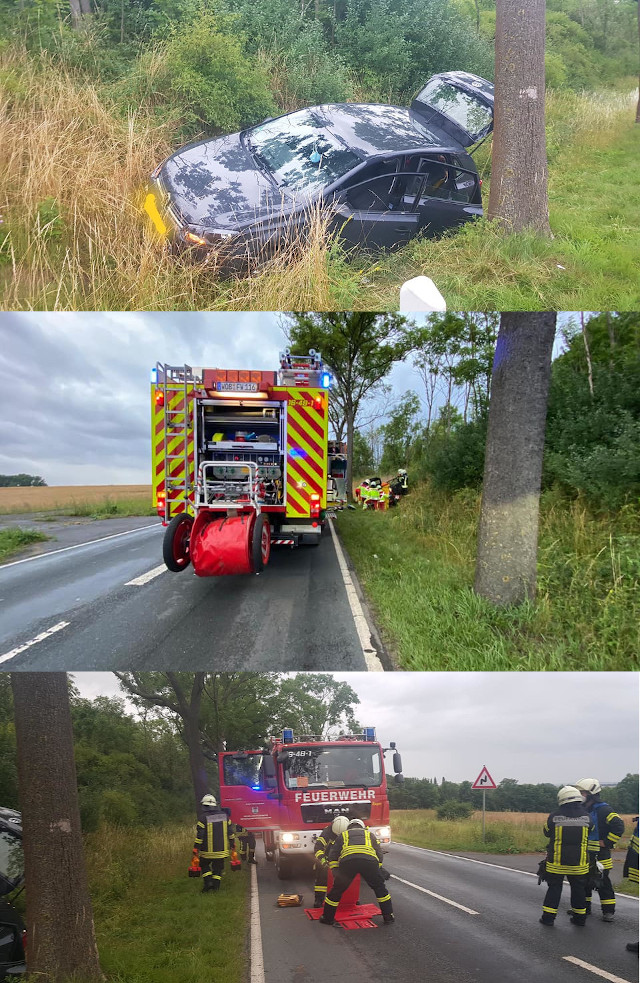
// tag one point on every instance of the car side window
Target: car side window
(449, 183)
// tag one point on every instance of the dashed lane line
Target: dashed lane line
(256, 957)
(65, 549)
(455, 904)
(371, 657)
(146, 577)
(602, 973)
(34, 641)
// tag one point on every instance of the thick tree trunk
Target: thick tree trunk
(638, 103)
(518, 196)
(59, 914)
(350, 437)
(508, 531)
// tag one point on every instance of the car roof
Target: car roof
(371, 129)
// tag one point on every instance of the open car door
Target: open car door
(459, 103)
(248, 788)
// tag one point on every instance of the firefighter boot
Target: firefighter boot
(252, 857)
(547, 919)
(207, 884)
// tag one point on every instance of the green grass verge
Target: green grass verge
(14, 540)
(416, 564)
(625, 886)
(153, 924)
(108, 508)
(420, 827)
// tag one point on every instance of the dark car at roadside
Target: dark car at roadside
(12, 927)
(383, 174)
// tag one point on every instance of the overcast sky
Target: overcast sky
(75, 387)
(535, 727)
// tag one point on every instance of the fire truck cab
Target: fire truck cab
(290, 790)
(239, 462)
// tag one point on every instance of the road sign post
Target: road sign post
(484, 781)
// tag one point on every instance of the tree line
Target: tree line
(509, 796)
(21, 481)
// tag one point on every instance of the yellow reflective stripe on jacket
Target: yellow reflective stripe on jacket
(557, 868)
(365, 848)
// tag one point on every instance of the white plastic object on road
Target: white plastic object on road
(421, 294)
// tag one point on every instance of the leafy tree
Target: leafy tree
(362, 456)
(21, 481)
(400, 432)
(452, 809)
(360, 349)
(316, 703)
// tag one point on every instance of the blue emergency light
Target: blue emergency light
(154, 375)
(369, 733)
(325, 380)
(256, 788)
(287, 736)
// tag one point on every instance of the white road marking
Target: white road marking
(146, 577)
(455, 904)
(594, 969)
(257, 958)
(34, 641)
(64, 549)
(370, 655)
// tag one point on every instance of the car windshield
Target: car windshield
(300, 152)
(332, 767)
(11, 857)
(470, 113)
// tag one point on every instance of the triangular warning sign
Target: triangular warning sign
(484, 780)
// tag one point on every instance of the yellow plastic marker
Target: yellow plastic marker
(151, 209)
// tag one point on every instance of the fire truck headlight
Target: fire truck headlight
(384, 833)
(289, 837)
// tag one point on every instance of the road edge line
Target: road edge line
(371, 657)
(64, 549)
(256, 955)
(595, 969)
(440, 897)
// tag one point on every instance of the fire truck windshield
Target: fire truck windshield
(332, 767)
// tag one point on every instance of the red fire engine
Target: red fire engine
(239, 462)
(292, 789)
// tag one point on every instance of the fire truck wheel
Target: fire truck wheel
(260, 544)
(175, 545)
(284, 867)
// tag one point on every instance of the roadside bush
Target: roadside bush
(452, 809)
(456, 460)
(200, 78)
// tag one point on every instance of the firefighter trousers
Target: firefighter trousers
(322, 876)
(248, 847)
(369, 870)
(607, 894)
(578, 885)
(211, 872)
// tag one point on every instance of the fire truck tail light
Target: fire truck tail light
(315, 498)
(159, 397)
(314, 525)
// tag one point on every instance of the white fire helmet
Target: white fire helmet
(339, 825)
(357, 822)
(568, 793)
(589, 785)
(209, 800)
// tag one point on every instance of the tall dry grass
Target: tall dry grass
(64, 143)
(68, 497)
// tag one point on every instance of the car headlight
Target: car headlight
(209, 238)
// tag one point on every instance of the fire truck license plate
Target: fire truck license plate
(237, 387)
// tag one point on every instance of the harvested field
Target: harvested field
(73, 498)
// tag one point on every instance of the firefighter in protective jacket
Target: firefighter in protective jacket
(356, 851)
(247, 842)
(568, 830)
(608, 827)
(214, 837)
(631, 870)
(321, 850)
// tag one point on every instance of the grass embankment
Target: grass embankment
(505, 832)
(153, 924)
(94, 501)
(14, 540)
(75, 164)
(416, 564)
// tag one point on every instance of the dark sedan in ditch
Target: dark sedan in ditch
(12, 928)
(387, 173)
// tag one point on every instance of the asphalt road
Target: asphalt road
(70, 605)
(498, 940)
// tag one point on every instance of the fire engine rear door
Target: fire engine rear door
(248, 789)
